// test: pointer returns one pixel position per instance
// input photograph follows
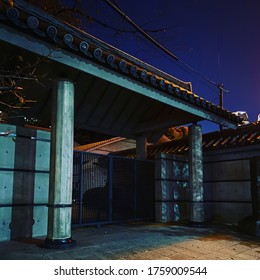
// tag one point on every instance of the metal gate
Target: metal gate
(108, 189)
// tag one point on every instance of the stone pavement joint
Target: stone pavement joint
(143, 241)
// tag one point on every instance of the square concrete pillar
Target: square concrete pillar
(141, 147)
(196, 174)
(251, 224)
(255, 186)
(61, 166)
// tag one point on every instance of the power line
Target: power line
(116, 8)
(183, 68)
(125, 17)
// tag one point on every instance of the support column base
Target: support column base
(59, 243)
(250, 225)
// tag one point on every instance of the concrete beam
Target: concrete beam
(155, 125)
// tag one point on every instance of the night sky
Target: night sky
(220, 39)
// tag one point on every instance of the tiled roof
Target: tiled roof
(91, 146)
(62, 35)
(242, 136)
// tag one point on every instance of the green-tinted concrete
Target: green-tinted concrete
(61, 168)
(28, 150)
(171, 188)
(7, 156)
(196, 174)
(41, 183)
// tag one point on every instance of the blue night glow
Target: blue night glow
(219, 39)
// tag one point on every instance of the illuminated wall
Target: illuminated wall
(24, 183)
(171, 188)
(227, 186)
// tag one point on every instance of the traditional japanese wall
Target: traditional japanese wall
(24, 183)
(171, 188)
(227, 185)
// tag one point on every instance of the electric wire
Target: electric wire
(116, 8)
(209, 86)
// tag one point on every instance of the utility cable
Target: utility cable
(125, 17)
(157, 44)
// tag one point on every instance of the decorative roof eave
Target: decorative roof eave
(63, 35)
(92, 146)
(246, 135)
(39, 24)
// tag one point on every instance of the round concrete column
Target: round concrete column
(61, 166)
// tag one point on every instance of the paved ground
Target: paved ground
(138, 241)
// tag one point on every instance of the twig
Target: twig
(2, 133)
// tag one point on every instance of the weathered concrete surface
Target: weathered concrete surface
(251, 224)
(61, 168)
(139, 241)
(196, 174)
(24, 183)
(171, 188)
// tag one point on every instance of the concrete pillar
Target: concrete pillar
(251, 224)
(196, 174)
(61, 166)
(255, 193)
(141, 147)
(255, 186)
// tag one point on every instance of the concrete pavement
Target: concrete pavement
(142, 241)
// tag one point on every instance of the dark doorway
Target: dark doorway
(108, 189)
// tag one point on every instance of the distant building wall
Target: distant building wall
(24, 183)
